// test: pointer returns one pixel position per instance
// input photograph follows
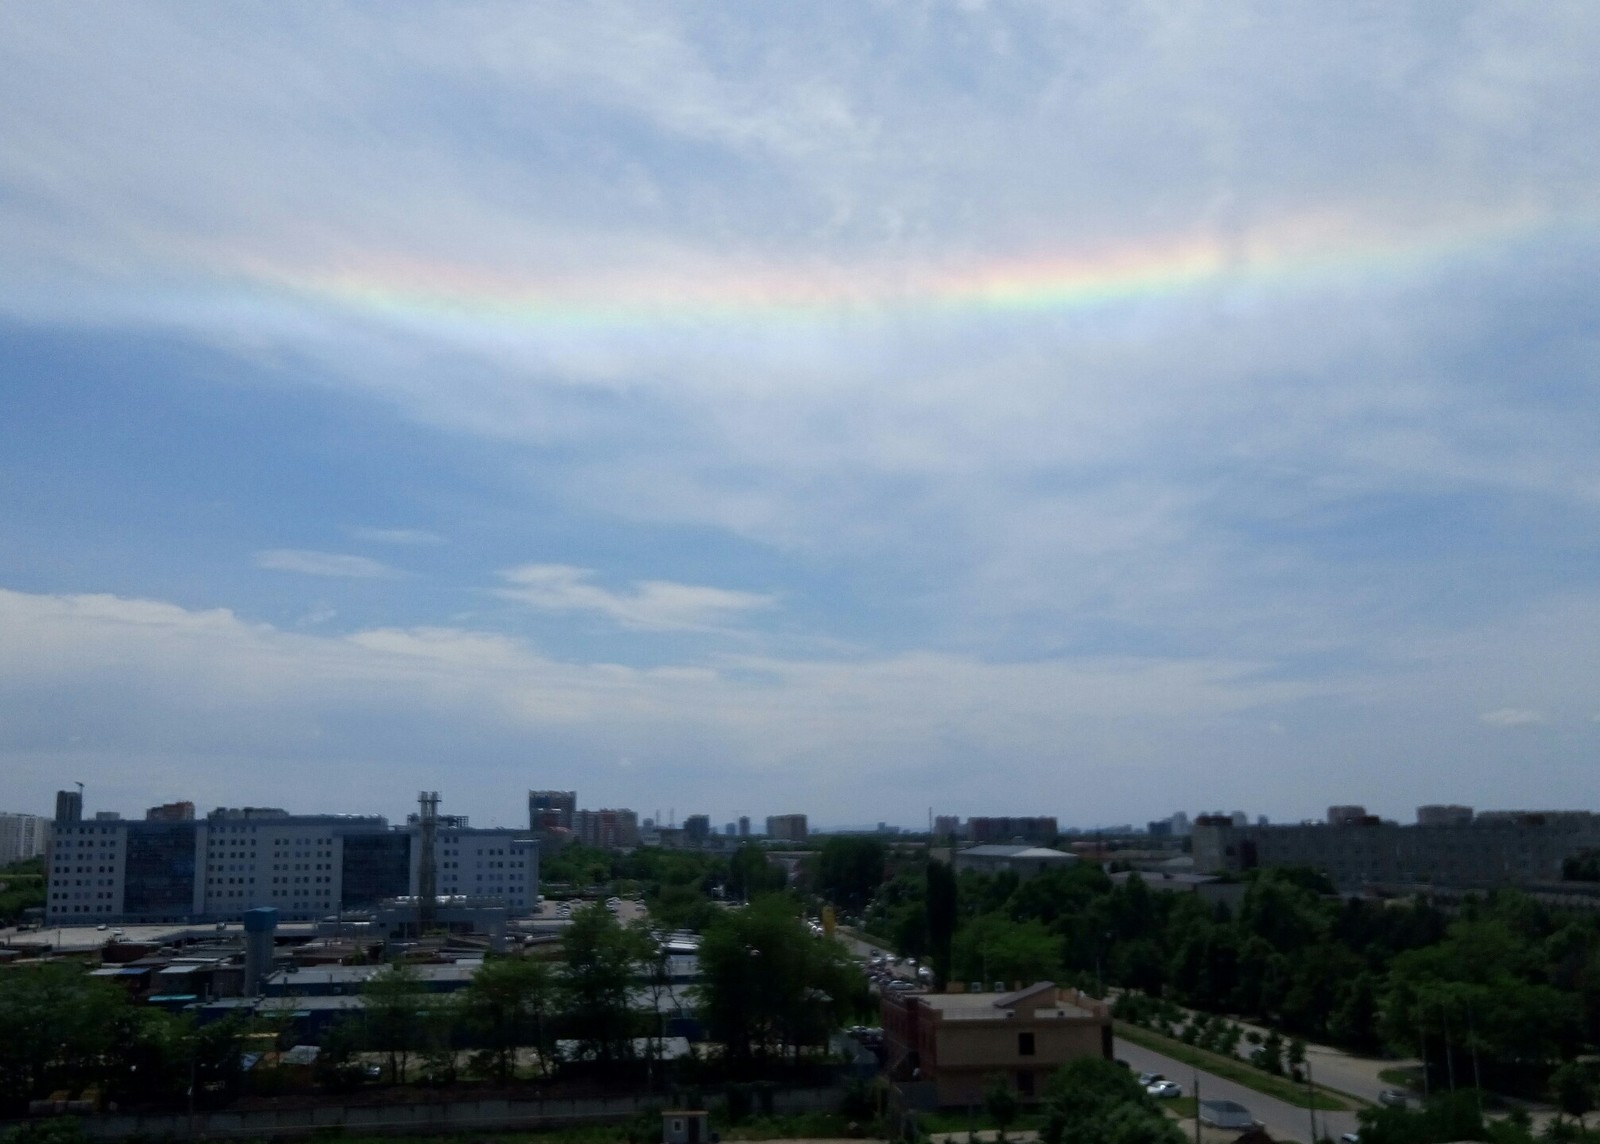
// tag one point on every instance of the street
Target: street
(1282, 1121)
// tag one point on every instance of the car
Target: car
(1394, 1097)
(1350, 1138)
(101, 926)
(1165, 1088)
(1149, 1078)
(1225, 1114)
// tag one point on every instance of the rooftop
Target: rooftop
(1032, 852)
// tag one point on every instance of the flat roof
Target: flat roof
(1040, 853)
(310, 975)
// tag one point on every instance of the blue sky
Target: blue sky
(851, 409)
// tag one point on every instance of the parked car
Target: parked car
(1225, 1114)
(1149, 1078)
(1165, 1088)
(1394, 1097)
(1350, 1138)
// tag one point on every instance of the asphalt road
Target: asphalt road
(1283, 1121)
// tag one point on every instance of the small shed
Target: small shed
(686, 1126)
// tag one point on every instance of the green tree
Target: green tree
(942, 917)
(1270, 1055)
(1446, 1116)
(1574, 1086)
(595, 984)
(995, 948)
(393, 1002)
(442, 1022)
(750, 874)
(768, 986)
(57, 1026)
(1096, 1100)
(507, 1004)
(655, 970)
(849, 870)
(1000, 1102)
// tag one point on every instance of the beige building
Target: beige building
(950, 1045)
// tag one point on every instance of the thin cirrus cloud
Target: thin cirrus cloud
(408, 537)
(651, 605)
(334, 564)
(1512, 717)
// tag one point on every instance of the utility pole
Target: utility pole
(1197, 1108)
(1311, 1101)
(1449, 1054)
(1472, 1042)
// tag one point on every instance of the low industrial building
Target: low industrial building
(943, 1049)
(1024, 861)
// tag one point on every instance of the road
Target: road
(1283, 1121)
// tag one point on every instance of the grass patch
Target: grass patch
(1409, 1079)
(1183, 1107)
(947, 1120)
(801, 1126)
(1229, 1068)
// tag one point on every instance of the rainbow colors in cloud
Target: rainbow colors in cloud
(1298, 253)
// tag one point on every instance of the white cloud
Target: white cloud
(652, 605)
(1512, 717)
(144, 676)
(334, 564)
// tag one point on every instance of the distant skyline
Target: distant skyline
(843, 409)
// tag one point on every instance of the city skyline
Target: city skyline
(844, 410)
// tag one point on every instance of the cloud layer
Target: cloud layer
(1038, 392)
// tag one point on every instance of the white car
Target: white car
(1165, 1088)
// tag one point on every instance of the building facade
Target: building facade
(1039, 830)
(22, 836)
(305, 866)
(549, 809)
(1495, 849)
(787, 827)
(608, 829)
(956, 1043)
(171, 812)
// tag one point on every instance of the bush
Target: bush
(57, 1130)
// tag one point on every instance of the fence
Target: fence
(411, 1119)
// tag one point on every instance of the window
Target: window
(1025, 1081)
(1025, 1045)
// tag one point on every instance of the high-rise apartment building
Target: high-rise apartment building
(69, 806)
(787, 827)
(171, 812)
(549, 809)
(1040, 830)
(609, 829)
(22, 836)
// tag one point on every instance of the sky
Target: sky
(856, 409)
